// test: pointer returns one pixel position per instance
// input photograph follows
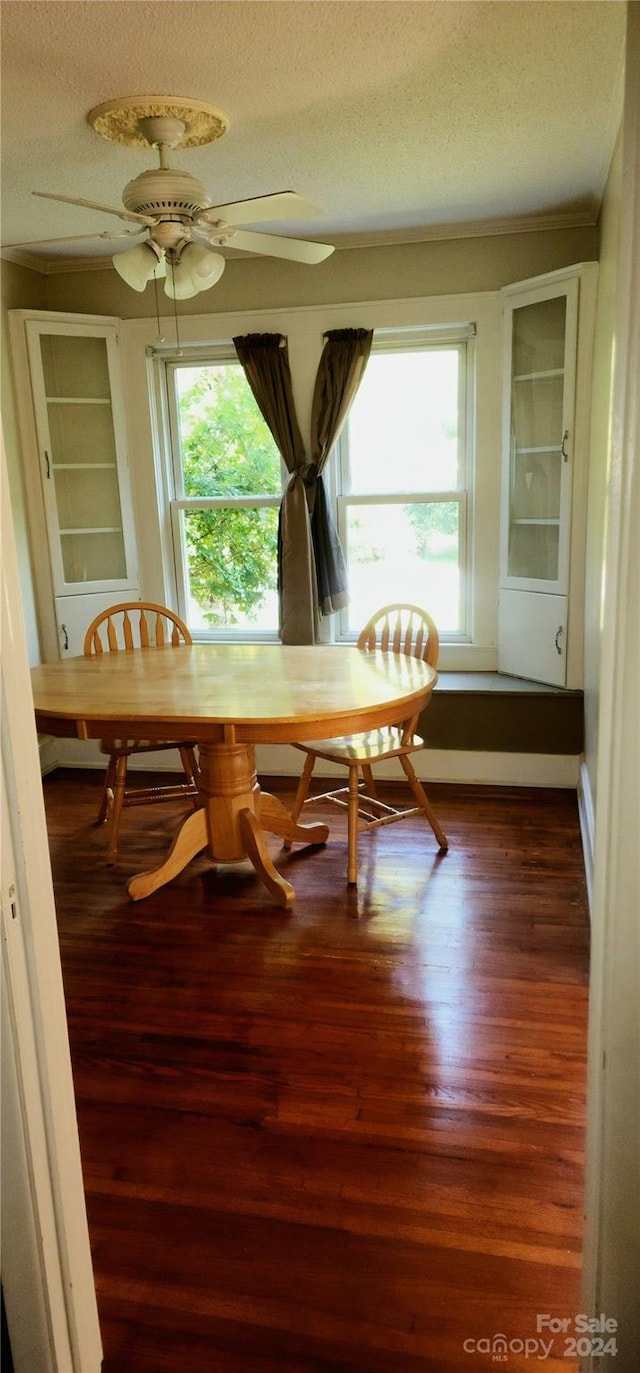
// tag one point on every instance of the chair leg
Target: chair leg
(109, 780)
(352, 827)
(369, 781)
(301, 794)
(424, 802)
(118, 802)
(190, 768)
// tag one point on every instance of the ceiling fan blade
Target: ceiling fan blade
(95, 205)
(272, 245)
(77, 238)
(280, 205)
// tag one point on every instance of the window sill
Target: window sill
(498, 683)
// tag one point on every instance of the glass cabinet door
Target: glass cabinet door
(84, 478)
(540, 424)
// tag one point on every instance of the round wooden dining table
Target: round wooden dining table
(229, 697)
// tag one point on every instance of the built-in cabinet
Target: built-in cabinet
(74, 424)
(548, 326)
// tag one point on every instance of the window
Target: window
(227, 479)
(402, 494)
(400, 482)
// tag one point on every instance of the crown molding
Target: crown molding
(23, 258)
(473, 228)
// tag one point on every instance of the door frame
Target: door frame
(47, 1276)
(612, 1241)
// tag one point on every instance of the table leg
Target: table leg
(190, 840)
(254, 844)
(230, 823)
(275, 818)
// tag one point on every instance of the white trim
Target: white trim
(48, 750)
(53, 1208)
(304, 326)
(587, 826)
(612, 1242)
(444, 765)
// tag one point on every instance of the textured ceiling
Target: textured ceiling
(396, 118)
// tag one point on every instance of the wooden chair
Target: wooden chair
(394, 629)
(129, 627)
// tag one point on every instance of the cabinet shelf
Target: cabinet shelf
(83, 466)
(78, 400)
(93, 529)
(539, 376)
(552, 522)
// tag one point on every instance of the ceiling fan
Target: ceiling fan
(174, 210)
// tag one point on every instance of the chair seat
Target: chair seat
(368, 747)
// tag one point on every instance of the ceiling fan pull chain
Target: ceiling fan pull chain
(160, 338)
(175, 303)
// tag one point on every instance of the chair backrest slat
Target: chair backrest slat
(128, 633)
(136, 624)
(402, 628)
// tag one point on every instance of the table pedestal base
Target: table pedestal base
(231, 824)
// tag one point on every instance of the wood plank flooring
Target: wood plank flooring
(345, 1139)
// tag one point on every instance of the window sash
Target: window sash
(223, 354)
(420, 344)
(420, 340)
(459, 498)
(176, 508)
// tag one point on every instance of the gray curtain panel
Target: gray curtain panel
(311, 568)
(265, 360)
(341, 369)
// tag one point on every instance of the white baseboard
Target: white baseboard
(435, 765)
(48, 749)
(446, 765)
(586, 812)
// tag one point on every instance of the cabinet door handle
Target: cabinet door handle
(559, 636)
(65, 636)
(563, 445)
(46, 458)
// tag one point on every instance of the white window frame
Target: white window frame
(218, 353)
(460, 337)
(304, 327)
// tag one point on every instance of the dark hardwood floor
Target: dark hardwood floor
(345, 1139)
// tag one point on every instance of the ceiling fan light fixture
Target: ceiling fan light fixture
(137, 265)
(178, 284)
(196, 269)
(205, 267)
